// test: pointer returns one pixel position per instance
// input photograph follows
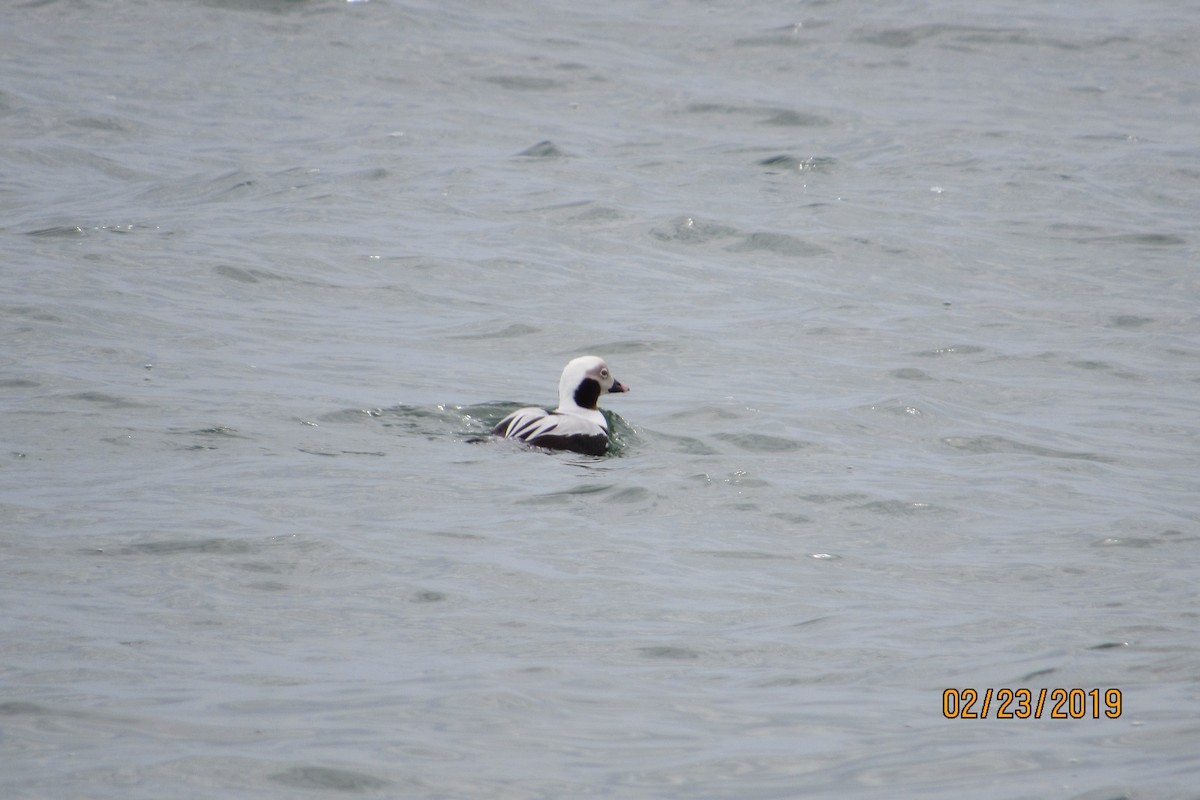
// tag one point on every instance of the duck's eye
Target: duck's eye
(603, 373)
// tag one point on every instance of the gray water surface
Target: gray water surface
(906, 294)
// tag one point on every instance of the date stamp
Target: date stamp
(1035, 703)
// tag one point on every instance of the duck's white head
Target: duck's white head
(583, 381)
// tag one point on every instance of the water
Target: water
(906, 296)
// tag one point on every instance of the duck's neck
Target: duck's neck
(567, 405)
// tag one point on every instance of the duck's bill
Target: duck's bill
(618, 387)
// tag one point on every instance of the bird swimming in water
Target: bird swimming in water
(577, 424)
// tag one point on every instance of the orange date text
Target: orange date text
(1035, 703)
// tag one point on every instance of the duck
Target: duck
(577, 424)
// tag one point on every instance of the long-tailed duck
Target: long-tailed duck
(577, 424)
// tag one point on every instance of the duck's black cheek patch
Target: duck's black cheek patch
(587, 393)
